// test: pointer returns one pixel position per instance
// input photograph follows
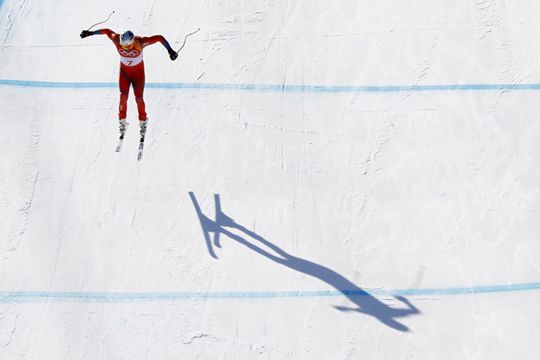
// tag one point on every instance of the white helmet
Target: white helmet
(126, 39)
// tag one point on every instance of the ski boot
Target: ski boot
(142, 124)
(122, 127)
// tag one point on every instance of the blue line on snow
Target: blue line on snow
(277, 88)
(105, 297)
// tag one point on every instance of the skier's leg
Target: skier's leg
(141, 107)
(124, 82)
(138, 89)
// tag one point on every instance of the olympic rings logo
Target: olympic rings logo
(132, 53)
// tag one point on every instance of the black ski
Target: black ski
(141, 142)
(120, 143)
(121, 138)
(141, 148)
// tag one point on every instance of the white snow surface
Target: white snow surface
(254, 211)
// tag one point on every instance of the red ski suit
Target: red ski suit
(132, 69)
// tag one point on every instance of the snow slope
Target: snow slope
(322, 180)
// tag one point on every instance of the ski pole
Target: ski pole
(101, 22)
(186, 39)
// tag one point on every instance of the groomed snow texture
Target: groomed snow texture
(342, 179)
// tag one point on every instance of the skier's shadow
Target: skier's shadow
(365, 302)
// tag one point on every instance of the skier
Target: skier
(130, 48)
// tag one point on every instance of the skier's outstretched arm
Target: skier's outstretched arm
(110, 34)
(159, 38)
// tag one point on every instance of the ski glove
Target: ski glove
(85, 33)
(173, 55)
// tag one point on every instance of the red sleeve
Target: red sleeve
(149, 40)
(145, 41)
(110, 34)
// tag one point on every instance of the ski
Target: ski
(140, 151)
(123, 129)
(142, 124)
(120, 143)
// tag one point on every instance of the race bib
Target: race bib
(130, 57)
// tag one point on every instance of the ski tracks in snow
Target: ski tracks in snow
(24, 184)
(13, 14)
